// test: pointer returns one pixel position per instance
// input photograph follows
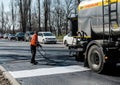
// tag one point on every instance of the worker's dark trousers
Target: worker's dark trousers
(33, 51)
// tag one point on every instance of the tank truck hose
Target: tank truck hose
(40, 50)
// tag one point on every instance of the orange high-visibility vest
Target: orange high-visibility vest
(34, 40)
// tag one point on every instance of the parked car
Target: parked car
(46, 37)
(19, 36)
(11, 37)
(1, 35)
(68, 39)
(28, 35)
(5, 36)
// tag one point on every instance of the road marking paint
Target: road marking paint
(47, 71)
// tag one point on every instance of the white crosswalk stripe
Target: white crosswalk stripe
(47, 71)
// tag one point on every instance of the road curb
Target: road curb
(8, 76)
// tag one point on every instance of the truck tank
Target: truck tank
(90, 18)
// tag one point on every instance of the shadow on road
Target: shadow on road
(58, 60)
(12, 57)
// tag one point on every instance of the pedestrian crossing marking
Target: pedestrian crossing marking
(47, 71)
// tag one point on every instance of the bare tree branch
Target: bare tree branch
(24, 6)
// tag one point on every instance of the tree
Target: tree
(39, 18)
(79, 1)
(2, 17)
(29, 14)
(69, 9)
(24, 6)
(45, 4)
(7, 23)
(59, 13)
(49, 14)
(13, 14)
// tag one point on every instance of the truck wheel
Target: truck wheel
(95, 59)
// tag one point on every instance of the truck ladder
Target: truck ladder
(112, 15)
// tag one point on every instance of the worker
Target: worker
(33, 44)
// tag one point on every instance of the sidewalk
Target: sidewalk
(6, 78)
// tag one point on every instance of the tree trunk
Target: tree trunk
(39, 18)
(79, 1)
(24, 6)
(30, 25)
(46, 14)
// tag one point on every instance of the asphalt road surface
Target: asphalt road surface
(58, 69)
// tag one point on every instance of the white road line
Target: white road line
(47, 71)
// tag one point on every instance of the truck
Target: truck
(96, 29)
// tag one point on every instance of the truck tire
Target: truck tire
(96, 59)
